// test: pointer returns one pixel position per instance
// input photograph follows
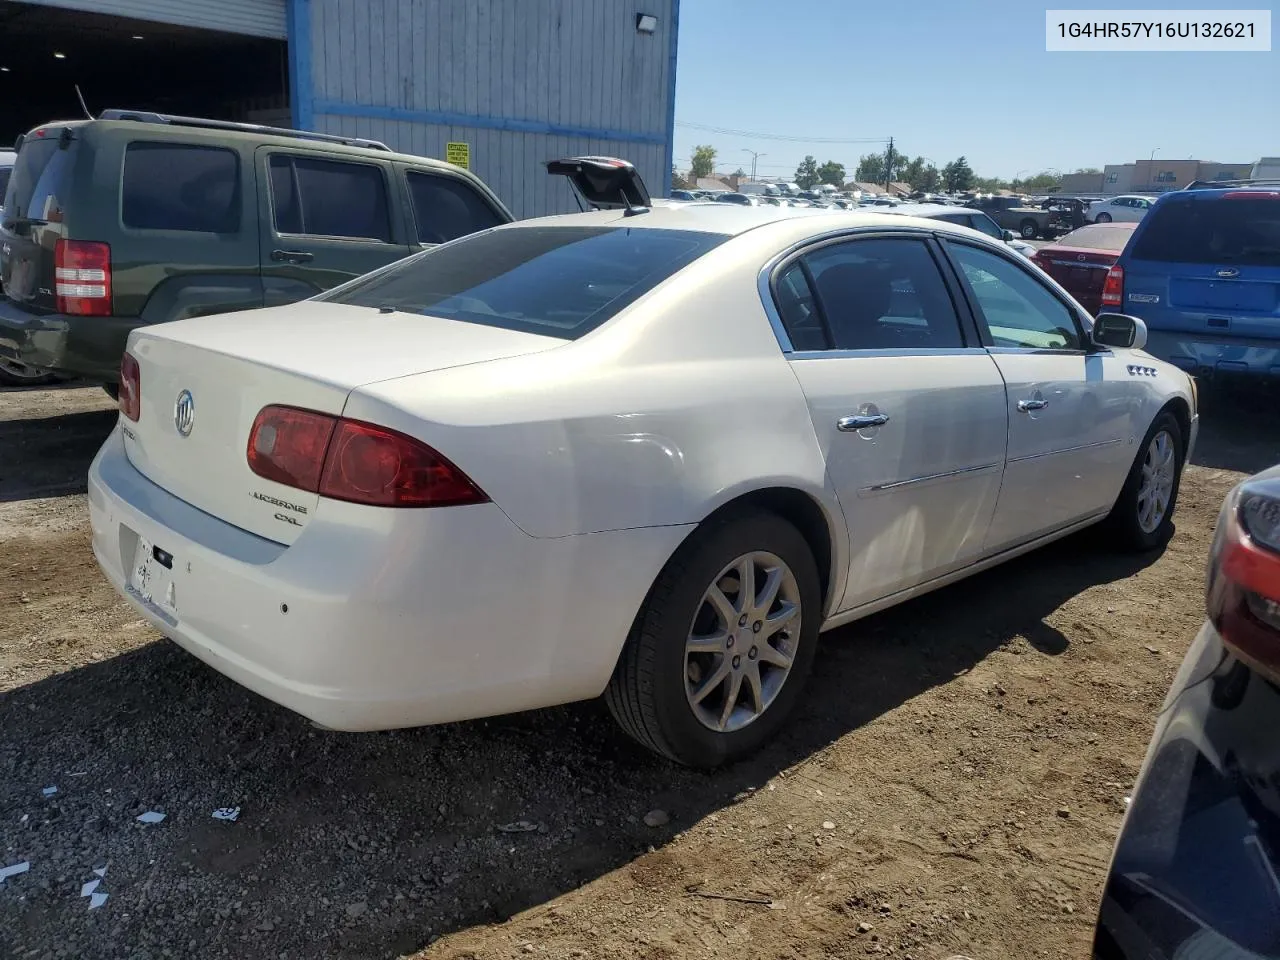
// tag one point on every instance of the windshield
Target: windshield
(553, 281)
(1229, 229)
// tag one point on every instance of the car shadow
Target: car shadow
(371, 845)
(50, 456)
(1239, 428)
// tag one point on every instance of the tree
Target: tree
(1044, 180)
(870, 168)
(1088, 170)
(912, 172)
(704, 162)
(678, 182)
(958, 175)
(807, 173)
(832, 173)
(929, 180)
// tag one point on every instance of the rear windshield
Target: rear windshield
(1098, 237)
(38, 176)
(554, 281)
(1237, 230)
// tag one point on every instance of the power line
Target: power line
(776, 136)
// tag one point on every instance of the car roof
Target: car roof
(732, 219)
(931, 209)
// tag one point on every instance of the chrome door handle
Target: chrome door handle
(292, 256)
(861, 422)
(1025, 405)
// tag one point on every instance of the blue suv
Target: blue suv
(1202, 269)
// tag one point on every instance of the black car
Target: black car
(1196, 872)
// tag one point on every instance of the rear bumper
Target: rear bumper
(82, 346)
(378, 619)
(1204, 354)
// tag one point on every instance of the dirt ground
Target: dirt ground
(953, 784)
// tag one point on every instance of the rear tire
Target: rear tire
(1028, 229)
(664, 691)
(1103, 218)
(1142, 518)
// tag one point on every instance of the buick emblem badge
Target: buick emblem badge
(1080, 257)
(184, 413)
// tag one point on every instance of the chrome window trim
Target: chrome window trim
(780, 261)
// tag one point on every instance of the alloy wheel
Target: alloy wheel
(1156, 488)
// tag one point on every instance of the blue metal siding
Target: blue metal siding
(522, 81)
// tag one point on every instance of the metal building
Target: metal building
(509, 83)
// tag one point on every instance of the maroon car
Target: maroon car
(1080, 259)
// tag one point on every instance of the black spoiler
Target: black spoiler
(604, 183)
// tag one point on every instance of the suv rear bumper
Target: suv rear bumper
(1202, 353)
(88, 347)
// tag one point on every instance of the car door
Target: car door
(908, 407)
(325, 221)
(444, 207)
(1071, 408)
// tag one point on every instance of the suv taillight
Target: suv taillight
(82, 277)
(1243, 595)
(130, 400)
(1113, 287)
(355, 461)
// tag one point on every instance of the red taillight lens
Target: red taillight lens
(287, 445)
(354, 461)
(82, 278)
(130, 400)
(1243, 597)
(1113, 287)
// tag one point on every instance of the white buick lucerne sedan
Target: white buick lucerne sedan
(649, 453)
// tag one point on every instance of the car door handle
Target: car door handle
(292, 256)
(861, 422)
(1026, 405)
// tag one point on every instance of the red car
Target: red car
(1080, 259)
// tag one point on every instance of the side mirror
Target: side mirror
(1008, 235)
(1119, 330)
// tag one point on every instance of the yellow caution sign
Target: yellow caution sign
(459, 154)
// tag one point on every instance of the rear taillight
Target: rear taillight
(130, 400)
(82, 278)
(354, 461)
(1243, 597)
(1113, 287)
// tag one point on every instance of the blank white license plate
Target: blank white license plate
(151, 580)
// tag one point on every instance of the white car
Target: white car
(1126, 209)
(648, 453)
(965, 217)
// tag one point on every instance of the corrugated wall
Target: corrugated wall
(521, 81)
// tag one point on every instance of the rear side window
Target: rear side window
(5, 173)
(178, 186)
(1231, 229)
(554, 281)
(446, 208)
(329, 198)
(39, 177)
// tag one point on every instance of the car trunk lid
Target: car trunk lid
(202, 383)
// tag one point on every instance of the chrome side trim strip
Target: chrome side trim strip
(912, 481)
(1054, 453)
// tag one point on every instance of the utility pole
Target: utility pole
(754, 157)
(888, 165)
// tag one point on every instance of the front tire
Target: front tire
(1103, 218)
(719, 653)
(1142, 518)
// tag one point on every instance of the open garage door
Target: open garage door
(255, 18)
(46, 51)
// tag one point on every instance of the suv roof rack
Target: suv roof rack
(1214, 184)
(148, 116)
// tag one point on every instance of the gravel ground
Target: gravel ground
(953, 783)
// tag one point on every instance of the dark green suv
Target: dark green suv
(139, 218)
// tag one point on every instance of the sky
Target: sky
(947, 78)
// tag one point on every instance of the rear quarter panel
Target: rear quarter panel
(678, 405)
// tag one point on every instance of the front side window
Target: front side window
(179, 186)
(881, 294)
(329, 198)
(1018, 309)
(445, 208)
(553, 281)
